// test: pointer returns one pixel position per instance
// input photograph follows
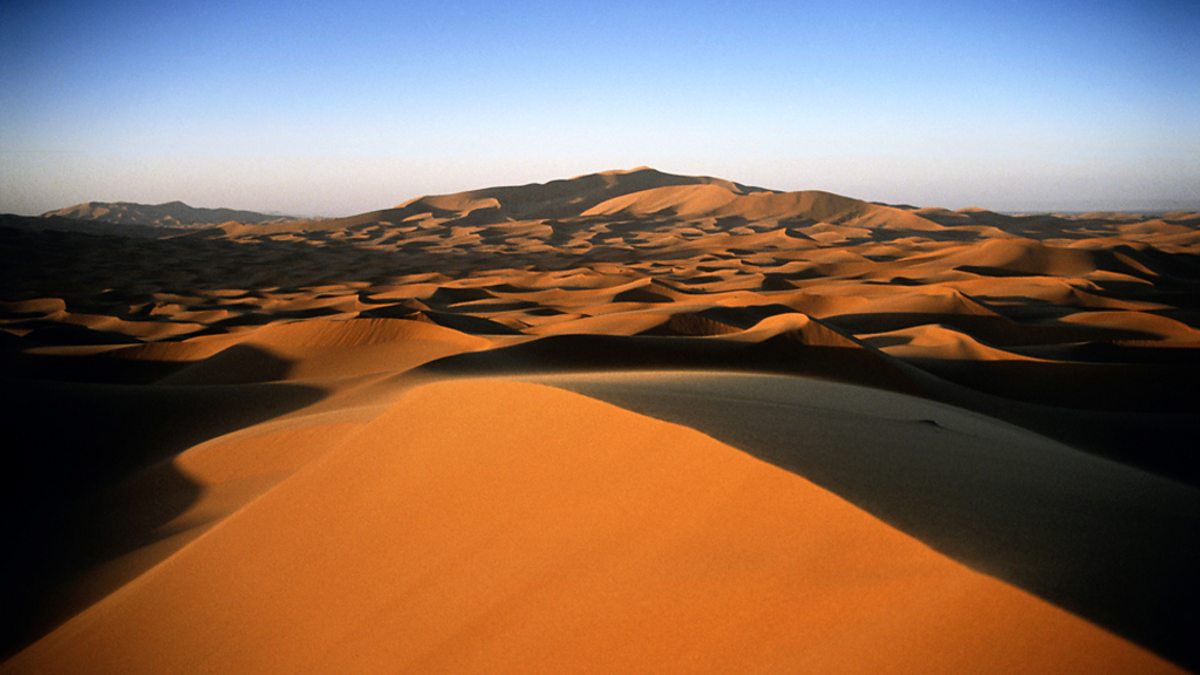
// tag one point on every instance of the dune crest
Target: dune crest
(661, 522)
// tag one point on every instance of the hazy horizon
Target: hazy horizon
(322, 111)
(1149, 207)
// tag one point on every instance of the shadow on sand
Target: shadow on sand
(68, 442)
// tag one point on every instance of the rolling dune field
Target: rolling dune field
(629, 421)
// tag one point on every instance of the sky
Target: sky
(324, 108)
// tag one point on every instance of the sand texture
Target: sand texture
(625, 422)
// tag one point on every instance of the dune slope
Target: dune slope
(424, 542)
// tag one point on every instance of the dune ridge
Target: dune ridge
(169, 214)
(522, 586)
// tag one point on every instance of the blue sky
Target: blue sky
(335, 108)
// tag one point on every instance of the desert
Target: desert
(630, 421)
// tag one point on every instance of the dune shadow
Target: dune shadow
(598, 353)
(1140, 411)
(1156, 384)
(68, 442)
(99, 367)
(996, 330)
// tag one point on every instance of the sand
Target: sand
(627, 421)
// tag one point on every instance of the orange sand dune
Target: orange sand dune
(693, 201)
(327, 348)
(938, 342)
(1155, 327)
(426, 542)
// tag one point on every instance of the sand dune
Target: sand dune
(658, 524)
(938, 342)
(322, 348)
(267, 446)
(170, 214)
(573, 196)
(695, 201)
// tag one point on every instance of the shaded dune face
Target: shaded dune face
(186, 395)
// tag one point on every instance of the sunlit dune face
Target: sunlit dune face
(491, 524)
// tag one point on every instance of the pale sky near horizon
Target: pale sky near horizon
(337, 108)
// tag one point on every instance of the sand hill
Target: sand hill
(629, 421)
(170, 214)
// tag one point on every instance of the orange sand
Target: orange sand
(497, 526)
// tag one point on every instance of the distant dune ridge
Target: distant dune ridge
(170, 214)
(628, 421)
